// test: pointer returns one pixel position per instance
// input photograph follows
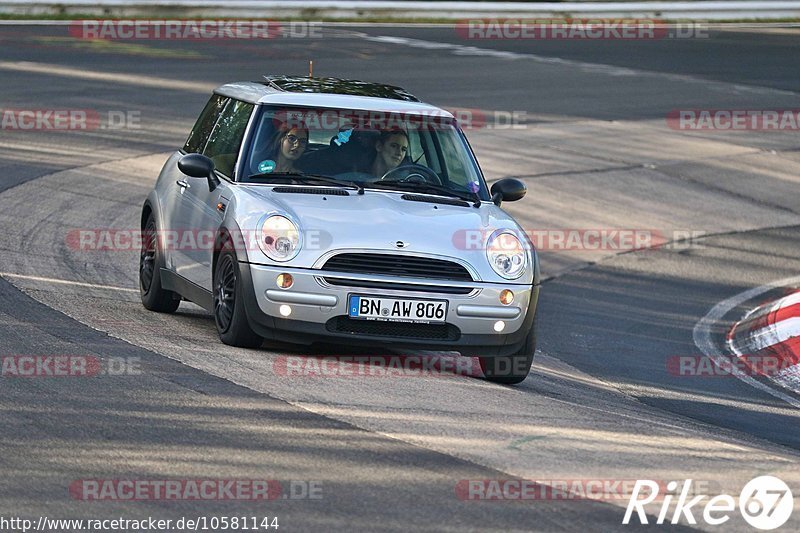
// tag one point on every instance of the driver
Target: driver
(287, 145)
(391, 149)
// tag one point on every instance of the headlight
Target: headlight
(280, 238)
(506, 254)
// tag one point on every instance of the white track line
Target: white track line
(773, 334)
(764, 310)
(66, 282)
(48, 69)
(602, 68)
(786, 301)
(702, 336)
(789, 300)
(790, 376)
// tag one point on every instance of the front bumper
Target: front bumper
(318, 301)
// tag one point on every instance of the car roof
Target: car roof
(307, 84)
(329, 93)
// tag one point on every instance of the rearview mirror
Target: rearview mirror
(508, 190)
(199, 166)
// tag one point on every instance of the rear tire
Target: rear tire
(511, 369)
(154, 297)
(229, 312)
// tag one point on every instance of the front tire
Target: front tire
(154, 297)
(229, 312)
(511, 369)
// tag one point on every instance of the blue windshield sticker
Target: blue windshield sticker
(474, 186)
(268, 165)
(343, 137)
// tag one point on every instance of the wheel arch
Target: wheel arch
(147, 210)
(151, 206)
(229, 231)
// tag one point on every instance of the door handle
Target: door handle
(183, 184)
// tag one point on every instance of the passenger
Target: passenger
(391, 150)
(287, 145)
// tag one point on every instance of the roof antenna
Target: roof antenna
(310, 68)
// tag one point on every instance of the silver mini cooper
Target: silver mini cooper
(320, 209)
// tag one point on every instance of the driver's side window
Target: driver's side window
(226, 138)
(205, 124)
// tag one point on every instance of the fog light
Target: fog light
(285, 281)
(285, 310)
(499, 326)
(506, 297)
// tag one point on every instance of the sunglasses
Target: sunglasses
(294, 139)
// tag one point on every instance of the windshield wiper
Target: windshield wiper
(302, 178)
(431, 188)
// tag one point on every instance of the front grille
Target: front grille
(397, 286)
(398, 265)
(440, 332)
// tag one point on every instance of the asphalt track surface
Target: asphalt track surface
(600, 403)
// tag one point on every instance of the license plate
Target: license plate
(397, 309)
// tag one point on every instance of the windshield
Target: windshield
(381, 150)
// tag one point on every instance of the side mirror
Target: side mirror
(508, 190)
(199, 166)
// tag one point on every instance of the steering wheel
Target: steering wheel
(416, 174)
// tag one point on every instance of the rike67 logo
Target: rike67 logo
(765, 503)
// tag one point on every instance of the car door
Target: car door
(175, 254)
(196, 215)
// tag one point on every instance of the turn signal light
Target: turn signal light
(285, 281)
(506, 297)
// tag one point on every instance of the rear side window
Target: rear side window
(226, 138)
(202, 128)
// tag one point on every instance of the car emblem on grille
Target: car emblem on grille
(401, 244)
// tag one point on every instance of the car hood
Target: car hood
(379, 220)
